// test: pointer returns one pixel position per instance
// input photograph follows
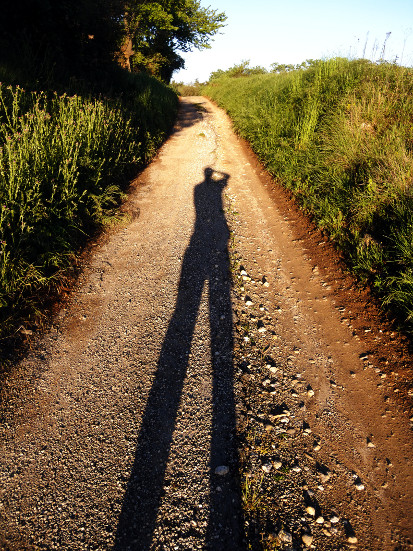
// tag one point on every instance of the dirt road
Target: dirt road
(163, 397)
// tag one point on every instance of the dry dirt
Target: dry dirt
(169, 407)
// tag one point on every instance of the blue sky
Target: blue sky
(268, 31)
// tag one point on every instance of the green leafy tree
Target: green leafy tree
(242, 69)
(286, 68)
(65, 36)
(157, 31)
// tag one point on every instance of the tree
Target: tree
(286, 68)
(66, 35)
(242, 69)
(156, 31)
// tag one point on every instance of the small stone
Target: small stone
(316, 447)
(296, 469)
(319, 520)
(326, 532)
(370, 443)
(324, 477)
(359, 486)
(307, 539)
(277, 465)
(352, 539)
(285, 537)
(266, 467)
(334, 519)
(268, 427)
(222, 470)
(310, 510)
(310, 392)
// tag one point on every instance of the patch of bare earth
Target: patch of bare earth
(170, 409)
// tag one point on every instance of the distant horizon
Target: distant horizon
(268, 69)
(277, 33)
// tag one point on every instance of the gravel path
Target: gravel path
(145, 417)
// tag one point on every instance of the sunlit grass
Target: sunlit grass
(63, 162)
(252, 494)
(340, 136)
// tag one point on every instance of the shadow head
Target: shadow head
(220, 177)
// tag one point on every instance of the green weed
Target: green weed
(252, 493)
(63, 162)
(340, 136)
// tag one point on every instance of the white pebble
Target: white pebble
(319, 520)
(307, 540)
(285, 537)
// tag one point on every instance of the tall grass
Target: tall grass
(63, 162)
(340, 136)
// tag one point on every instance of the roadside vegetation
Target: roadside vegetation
(64, 161)
(84, 104)
(339, 135)
(192, 89)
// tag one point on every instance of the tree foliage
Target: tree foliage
(159, 30)
(242, 69)
(66, 35)
(72, 36)
(286, 68)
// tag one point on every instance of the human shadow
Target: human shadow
(206, 260)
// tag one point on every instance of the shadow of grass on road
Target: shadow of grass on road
(206, 260)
